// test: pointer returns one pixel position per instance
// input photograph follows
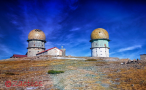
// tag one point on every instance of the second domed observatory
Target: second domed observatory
(99, 43)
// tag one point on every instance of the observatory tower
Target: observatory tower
(36, 42)
(99, 43)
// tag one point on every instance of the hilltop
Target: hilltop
(79, 73)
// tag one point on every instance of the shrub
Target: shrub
(91, 60)
(8, 73)
(55, 72)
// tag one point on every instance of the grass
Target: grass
(55, 72)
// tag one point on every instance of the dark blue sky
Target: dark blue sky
(69, 23)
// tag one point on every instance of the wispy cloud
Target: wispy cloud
(1, 35)
(61, 44)
(75, 29)
(70, 36)
(5, 49)
(73, 4)
(6, 52)
(112, 53)
(48, 45)
(129, 48)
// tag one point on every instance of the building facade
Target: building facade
(99, 43)
(36, 42)
(143, 57)
(52, 51)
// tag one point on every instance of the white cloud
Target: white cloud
(129, 48)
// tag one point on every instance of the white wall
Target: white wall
(55, 51)
(100, 52)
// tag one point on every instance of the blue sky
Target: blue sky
(69, 23)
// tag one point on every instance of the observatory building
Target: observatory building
(36, 42)
(99, 43)
(36, 45)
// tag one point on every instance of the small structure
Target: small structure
(63, 51)
(52, 51)
(18, 56)
(99, 43)
(143, 57)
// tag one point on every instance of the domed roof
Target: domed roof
(37, 34)
(99, 33)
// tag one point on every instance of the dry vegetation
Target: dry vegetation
(23, 70)
(20, 69)
(128, 77)
(92, 74)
